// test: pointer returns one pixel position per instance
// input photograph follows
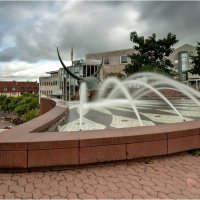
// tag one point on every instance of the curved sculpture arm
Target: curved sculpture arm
(98, 70)
(68, 71)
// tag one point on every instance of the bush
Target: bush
(31, 114)
(27, 104)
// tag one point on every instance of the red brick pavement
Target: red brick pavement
(169, 177)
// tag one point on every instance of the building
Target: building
(15, 88)
(180, 58)
(50, 85)
(61, 85)
(113, 61)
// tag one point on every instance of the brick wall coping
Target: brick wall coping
(25, 147)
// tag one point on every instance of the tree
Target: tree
(151, 54)
(196, 61)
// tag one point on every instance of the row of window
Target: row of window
(123, 60)
(46, 92)
(48, 83)
(19, 88)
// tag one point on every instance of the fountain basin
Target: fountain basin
(25, 147)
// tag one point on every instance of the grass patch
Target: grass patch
(195, 152)
(148, 161)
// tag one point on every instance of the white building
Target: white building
(61, 85)
(182, 62)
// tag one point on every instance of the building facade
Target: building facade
(113, 61)
(180, 58)
(61, 85)
(15, 88)
(50, 85)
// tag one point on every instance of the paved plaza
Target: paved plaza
(152, 112)
(168, 177)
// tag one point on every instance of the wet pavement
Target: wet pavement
(152, 112)
(168, 177)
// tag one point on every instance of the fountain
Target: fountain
(140, 100)
(143, 116)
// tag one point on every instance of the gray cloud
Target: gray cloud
(31, 31)
(179, 17)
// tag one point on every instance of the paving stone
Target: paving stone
(135, 184)
(176, 196)
(102, 188)
(89, 189)
(76, 190)
(101, 181)
(168, 177)
(16, 188)
(45, 197)
(72, 195)
(22, 181)
(162, 195)
(188, 194)
(124, 185)
(42, 186)
(46, 179)
(63, 192)
(113, 195)
(173, 188)
(86, 196)
(24, 195)
(37, 193)
(125, 193)
(50, 192)
(58, 197)
(100, 195)
(9, 195)
(112, 186)
(3, 189)
(29, 187)
(90, 181)
(150, 191)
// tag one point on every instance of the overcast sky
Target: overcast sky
(31, 31)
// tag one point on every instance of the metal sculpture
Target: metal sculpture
(91, 81)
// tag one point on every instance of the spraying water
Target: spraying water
(131, 92)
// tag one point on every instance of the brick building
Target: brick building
(15, 88)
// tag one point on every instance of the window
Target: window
(183, 66)
(124, 59)
(84, 71)
(184, 61)
(176, 61)
(106, 60)
(76, 70)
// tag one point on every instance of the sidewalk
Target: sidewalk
(170, 177)
(4, 123)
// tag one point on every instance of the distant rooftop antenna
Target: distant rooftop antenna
(72, 54)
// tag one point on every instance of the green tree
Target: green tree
(196, 61)
(151, 54)
(2, 100)
(30, 114)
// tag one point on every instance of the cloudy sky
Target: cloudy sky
(31, 31)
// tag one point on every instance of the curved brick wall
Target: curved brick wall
(25, 147)
(46, 105)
